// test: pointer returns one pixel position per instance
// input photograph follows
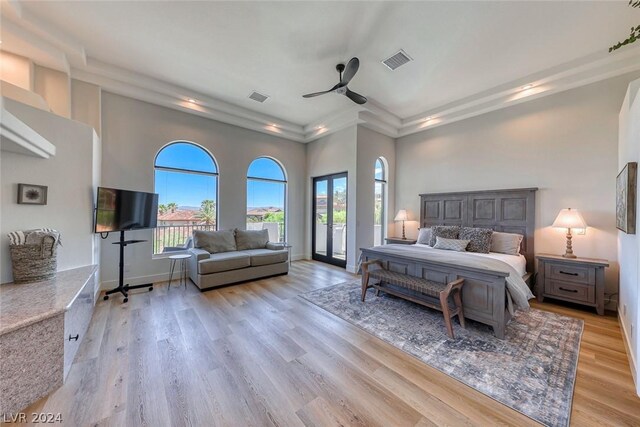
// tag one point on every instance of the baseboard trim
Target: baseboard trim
(627, 348)
(140, 280)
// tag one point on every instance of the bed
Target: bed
(487, 279)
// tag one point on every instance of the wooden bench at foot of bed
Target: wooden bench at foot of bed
(421, 291)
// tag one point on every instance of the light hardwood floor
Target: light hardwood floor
(255, 354)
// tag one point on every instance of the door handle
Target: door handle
(74, 338)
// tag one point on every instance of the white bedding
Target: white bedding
(518, 262)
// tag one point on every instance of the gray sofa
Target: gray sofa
(230, 256)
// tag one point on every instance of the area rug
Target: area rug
(532, 370)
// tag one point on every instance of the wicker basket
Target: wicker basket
(34, 263)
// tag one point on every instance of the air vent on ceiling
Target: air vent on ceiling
(256, 96)
(397, 60)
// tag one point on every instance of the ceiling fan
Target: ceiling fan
(341, 88)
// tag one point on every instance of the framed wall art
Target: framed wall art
(31, 194)
(626, 193)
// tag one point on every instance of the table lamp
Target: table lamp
(569, 218)
(402, 216)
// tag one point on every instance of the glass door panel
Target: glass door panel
(321, 217)
(329, 234)
(339, 218)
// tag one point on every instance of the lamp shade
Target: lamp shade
(569, 218)
(401, 215)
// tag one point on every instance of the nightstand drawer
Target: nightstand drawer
(570, 273)
(570, 291)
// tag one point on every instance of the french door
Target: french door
(329, 234)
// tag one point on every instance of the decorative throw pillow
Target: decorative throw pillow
(424, 236)
(214, 241)
(451, 244)
(251, 239)
(446, 231)
(480, 239)
(506, 243)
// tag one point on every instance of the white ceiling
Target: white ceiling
(285, 49)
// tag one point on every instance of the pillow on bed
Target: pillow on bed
(445, 231)
(480, 239)
(451, 244)
(506, 243)
(424, 236)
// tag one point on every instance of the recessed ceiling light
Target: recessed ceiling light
(274, 125)
(426, 119)
(320, 127)
(527, 87)
(191, 100)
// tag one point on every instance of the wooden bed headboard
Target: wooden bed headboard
(511, 211)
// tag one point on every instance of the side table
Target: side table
(183, 265)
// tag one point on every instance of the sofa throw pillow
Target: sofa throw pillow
(214, 241)
(424, 236)
(506, 243)
(446, 231)
(251, 239)
(451, 244)
(479, 239)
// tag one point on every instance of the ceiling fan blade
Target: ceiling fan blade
(350, 70)
(311, 95)
(356, 97)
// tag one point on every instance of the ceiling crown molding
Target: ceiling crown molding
(580, 72)
(30, 36)
(128, 83)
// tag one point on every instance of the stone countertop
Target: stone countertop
(24, 304)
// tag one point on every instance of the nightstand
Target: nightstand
(400, 240)
(577, 280)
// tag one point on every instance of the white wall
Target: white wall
(54, 87)
(333, 154)
(85, 104)
(372, 145)
(16, 70)
(133, 132)
(629, 244)
(69, 176)
(564, 144)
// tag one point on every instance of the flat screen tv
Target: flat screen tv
(119, 210)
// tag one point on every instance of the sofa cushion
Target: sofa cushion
(214, 241)
(251, 239)
(267, 256)
(224, 262)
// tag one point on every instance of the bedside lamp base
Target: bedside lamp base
(569, 251)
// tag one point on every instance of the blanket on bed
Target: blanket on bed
(518, 293)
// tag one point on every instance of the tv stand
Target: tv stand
(122, 288)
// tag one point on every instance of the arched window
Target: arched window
(267, 198)
(380, 202)
(186, 180)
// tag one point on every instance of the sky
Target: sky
(188, 189)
